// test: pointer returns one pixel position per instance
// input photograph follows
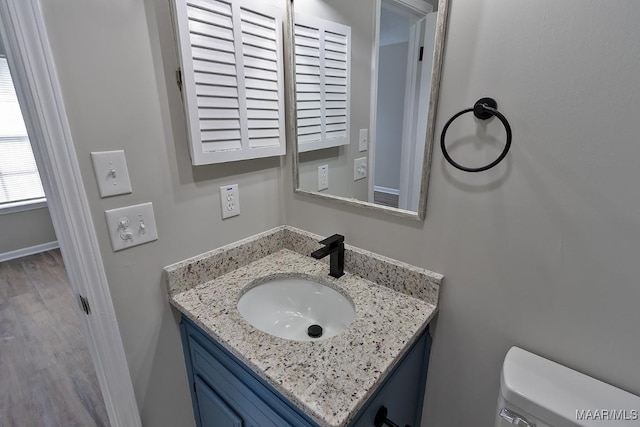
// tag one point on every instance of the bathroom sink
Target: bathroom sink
(297, 309)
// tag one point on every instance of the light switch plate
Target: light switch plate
(359, 168)
(230, 201)
(363, 142)
(111, 172)
(131, 226)
(323, 177)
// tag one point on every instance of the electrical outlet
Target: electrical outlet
(363, 144)
(131, 226)
(359, 168)
(323, 177)
(230, 201)
(111, 172)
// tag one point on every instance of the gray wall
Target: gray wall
(359, 15)
(340, 162)
(117, 62)
(541, 251)
(24, 229)
(392, 80)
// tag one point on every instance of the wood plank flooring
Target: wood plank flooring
(47, 378)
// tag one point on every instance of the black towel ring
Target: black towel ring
(483, 109)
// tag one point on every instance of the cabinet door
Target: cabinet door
(247, 401)
(252, 400)
(323, 82)
(403, 391)
(214, 412)
(231, 57)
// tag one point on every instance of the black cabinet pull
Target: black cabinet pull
(381, 419)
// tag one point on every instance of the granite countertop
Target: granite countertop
(329, 379)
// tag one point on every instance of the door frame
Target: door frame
(418, 7)
(33, 71)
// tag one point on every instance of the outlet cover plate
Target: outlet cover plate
(131, 226)
(230, 201)
(111, 172)
(359, 168)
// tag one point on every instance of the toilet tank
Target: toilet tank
(537, 392)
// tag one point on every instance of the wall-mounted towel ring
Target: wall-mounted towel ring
(483, 109)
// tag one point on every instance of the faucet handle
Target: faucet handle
(336, 239)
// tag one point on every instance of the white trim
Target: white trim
(32, 66)
(386, 190)
(31, 250)
(408, 140)
(373, 125)
(22, 206)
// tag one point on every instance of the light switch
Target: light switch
(363, 142)
(230, 201)
(111, 172)
(131, 226)
(360, 168)
(323, 177)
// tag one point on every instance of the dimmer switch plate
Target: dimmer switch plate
(131, 226)
(111, 172)
(230, 201)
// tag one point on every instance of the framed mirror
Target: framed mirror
(364, 81)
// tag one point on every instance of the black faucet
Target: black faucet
(334, 246)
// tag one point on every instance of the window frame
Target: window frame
(16, 206)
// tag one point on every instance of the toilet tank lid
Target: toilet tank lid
(559, 395)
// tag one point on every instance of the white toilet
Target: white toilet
(536, 392)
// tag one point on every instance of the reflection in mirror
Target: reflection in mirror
(366, 82)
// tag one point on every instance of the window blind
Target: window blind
(19, 178)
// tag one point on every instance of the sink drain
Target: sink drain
(314, 331)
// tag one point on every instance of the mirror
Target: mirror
(365, 85)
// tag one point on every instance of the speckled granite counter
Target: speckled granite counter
(331, 379)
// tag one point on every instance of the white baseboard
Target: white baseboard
(386, 190)
(31, 250)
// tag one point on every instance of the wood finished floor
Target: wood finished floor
(46, 375)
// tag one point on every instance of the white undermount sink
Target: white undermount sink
(293, 308)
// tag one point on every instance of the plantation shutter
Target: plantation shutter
(323, 82)
(232, 79)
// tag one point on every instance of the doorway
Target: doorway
(404, 62)
(30, 58)
(48, 377)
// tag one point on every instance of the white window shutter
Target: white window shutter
(323, 83)
(232, 79)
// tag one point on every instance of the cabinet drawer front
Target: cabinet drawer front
(237, 395)
(257, 404)
(213, 410)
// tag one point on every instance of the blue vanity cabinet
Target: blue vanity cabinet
(226, 393)
(213, 409)
(402, 392)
